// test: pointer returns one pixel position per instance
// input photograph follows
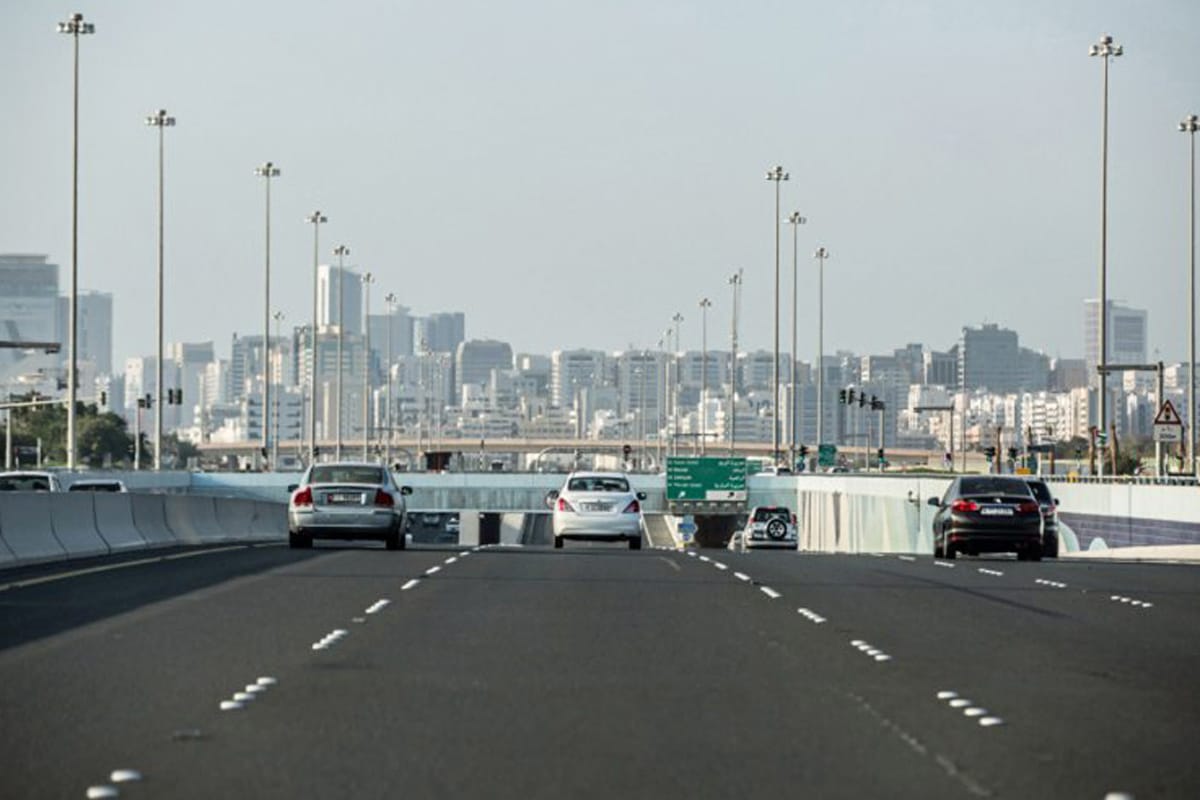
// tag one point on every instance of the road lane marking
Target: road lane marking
(1055, 584)
(987, 571)
(449, 561)
(409, 585)
(101, 791)
(869, 650)
(1130, 601)
(433, 570)
(811, 615)
(719, 565)
(330, 639)
(229, 705)
(906, 558)
(705, 559)
(969, 709)
(109, 567)
(741, 576)
(943, 564)
(125, 776)
(671, 563)
(769, 592)
(378, 605)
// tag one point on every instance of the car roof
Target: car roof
(591, 474)
(97, 482)
(28, 473)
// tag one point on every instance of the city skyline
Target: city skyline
(630, 172)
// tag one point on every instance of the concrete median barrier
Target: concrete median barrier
(27, 528)
(511, 528)
(6, 556)
(114, 521)
(269, 522)
(235, 517)
(150, 519)
(193, 519)
(73, 517)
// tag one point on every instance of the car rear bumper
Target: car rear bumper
(597, 526)
(988, 537)
(358, 524)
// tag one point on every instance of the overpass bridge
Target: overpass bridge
(861, 668)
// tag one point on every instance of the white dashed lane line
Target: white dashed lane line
(252, 690)
(943, 564)
(433, 570)
(741, 576)
(867, 649)
(378, 605)
(1118, 598)
(987, 571)
(1054, 584)
(450, 560)
(719, 565)
(769, 592)
(811, 615)
(906, 558)
(969, 709)
(705, 559)
(330, 639)
(409, 585)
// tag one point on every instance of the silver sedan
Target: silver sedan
(347, 501)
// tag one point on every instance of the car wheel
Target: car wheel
(1050, 549)
(298, 541)
(396, 540)
(635, 544)
(938, 550)
(558, 542)
(949, 553)
(1033, 552)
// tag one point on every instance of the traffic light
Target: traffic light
(862, 399)
(803, 451)
(842, 396)
(1012, 453)
(879, 455)
(990, 452)
(850, 396)
(104, 398)
(626, 450)
(876, 405)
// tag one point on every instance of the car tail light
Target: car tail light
(793, 519)
(633, 508)
(303, 497)
(382, 498)
(563, 505)
(1029, 508)
(964, 505)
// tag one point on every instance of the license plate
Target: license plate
(343, 498)
(598, 506)
(996, 511)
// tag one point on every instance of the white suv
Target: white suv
(767, 526)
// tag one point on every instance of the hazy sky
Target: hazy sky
(570, 174)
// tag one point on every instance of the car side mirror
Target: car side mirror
(405, 490)
(933, 501)
(641, 495)
(551, 496)
(293, 487)
(1056, 501)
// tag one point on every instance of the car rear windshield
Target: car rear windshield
(1041, 491)
(340, 474)
(24, 483)
(993, 485)
(596, 483)
(767, 514)
(95, 487)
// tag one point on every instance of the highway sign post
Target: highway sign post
(1168, 427)
(710, 483)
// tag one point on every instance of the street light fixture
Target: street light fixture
(161, 121)
(367, 279)
(341, 251)
(1190, 125)
(267, 171)
(75, 27)
(390, 299)
(1106, 50)
(795, 220)
(705, 305)
(821, 255)
(778, 176)
(316, 218)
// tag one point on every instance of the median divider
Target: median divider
(114, 522)
(150, 519)
(269, 521)
(193, 519)
(27, 528)
(73, 518)
(234, 517)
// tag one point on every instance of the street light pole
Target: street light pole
(821, 255)
(341, 251)
(795, 220)
(367, 280)
(1189, 126)
(266, 171)
(1107, 50)
(162, 122)
(677, 318)
(705, 305)
(316, 218)
(778, 176)
(278, 316)
(390, 299)
(735, 280)
(668, 411)
(76, 27)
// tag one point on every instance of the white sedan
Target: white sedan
(597, 506)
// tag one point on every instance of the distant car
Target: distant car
(598, 506)
(347, 500)
(1049, 505)
(98, 485)
(29, 481)
(767, 527)
(987, 514)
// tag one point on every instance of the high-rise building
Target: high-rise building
(93, 334)
(441, 333)
(331, 280)
(990, 357)
(475, 360)
(401, 325)
(28, 302)
(1127, 335)
(572, 371)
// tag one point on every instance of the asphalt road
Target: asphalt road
(596, 671)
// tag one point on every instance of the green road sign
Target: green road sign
(706, 479)
(827, 455)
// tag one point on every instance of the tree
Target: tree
(103, 440)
